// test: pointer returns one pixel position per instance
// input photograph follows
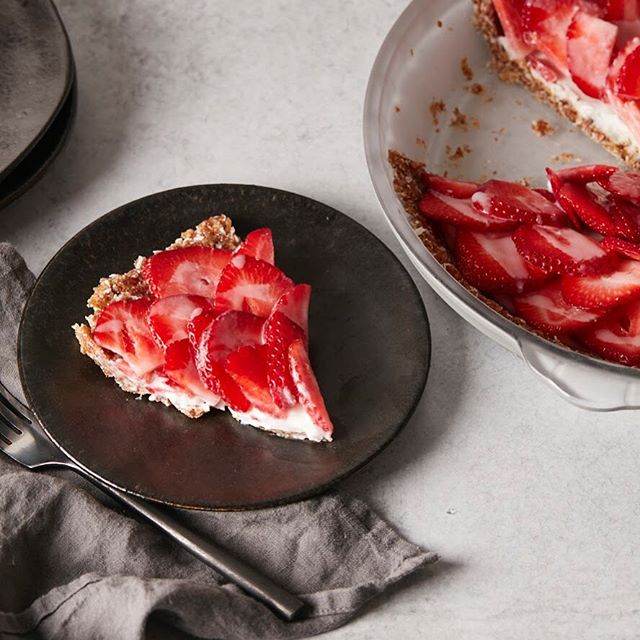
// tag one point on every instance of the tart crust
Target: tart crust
(487, 23)
(216, 231)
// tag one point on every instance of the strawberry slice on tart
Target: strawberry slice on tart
(209, 323)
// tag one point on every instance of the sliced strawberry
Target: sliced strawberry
(547, 72)
(247, 366)
(624, 184)
(251, 285)
(584, 173)
(546, 194)
(604, 290)
(516, 202)
(307, 386)
(547, 310)
(224, 334)
(180, 367)
(169, 317)
(561, 250)
(556, 185)
(192, 270)
(584, 204)
(628, 110)
(490, 262)
(622, 247)
(453, 188)
(617, 336)
(461, 213)
(295, 305)
(510, 16)
(627, 84)
(626, 217)
(122, 328)
(620, 10)
(258, 244)
(590, 43)
(278, 333)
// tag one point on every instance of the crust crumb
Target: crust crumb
(421, 141)
(397, 109)
(542, 128)
(459, 120)
(565, 156)
(439, 23)
(436, 108)
(466, 69)
(476, 89)
(458, 153)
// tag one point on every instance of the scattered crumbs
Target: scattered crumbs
(476, 88)
(439, 23)
(437, 129)
(397, 109)
(542, 128)
(446, 172)
(496, 139)
(421, 142)
(451, 511)
(411, 51)
(458, 153)
(490, 99)
(483, 177)
(524, 182)
(466, 69)
(437, 107)
(459, 120)
(494, 172)
(565, 156)
(475, 122)
(519, 103)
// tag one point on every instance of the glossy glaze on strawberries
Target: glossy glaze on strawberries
(565, 260)
(213, 327)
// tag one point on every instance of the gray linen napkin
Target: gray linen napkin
(72, 565)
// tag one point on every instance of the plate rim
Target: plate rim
(297, 496)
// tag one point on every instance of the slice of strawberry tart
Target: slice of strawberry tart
(580, 56)
(562, 262)
(211, 322)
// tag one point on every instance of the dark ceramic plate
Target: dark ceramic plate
(35, 75)
(32, 167)
(369, 344)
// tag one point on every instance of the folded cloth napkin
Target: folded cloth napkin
(73, 565)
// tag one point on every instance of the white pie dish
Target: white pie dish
(419, 61)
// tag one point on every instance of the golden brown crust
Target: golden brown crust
(487, 23)
(217, 232)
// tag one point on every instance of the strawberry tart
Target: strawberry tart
(580, 56)
(211, 322)
(562, 262)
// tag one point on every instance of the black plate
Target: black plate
(369, 344)
(35, 75)
(31, 168)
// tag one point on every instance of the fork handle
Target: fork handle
(253, 582)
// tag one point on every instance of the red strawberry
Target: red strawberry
(307, 386)
(490, 262)
(247, 366)
(584, 173)
(604, 291)
(251, 285)
(122, 328)
(545, 193)
(556, 185)
(510, 16)
(547, 72)
(628, 110)
(453, 188)
(194, 270)
(621, 9)
(547, 310)
(590, 43)
(622, 247)
(624, 184)
(561, 250)
(626, 217)
(295, 305)
(516, 202)
(224, 334)
(258, 244)
(278, 333)
(169, 317)
(461, 213)
(627, 82)
(617, 336)
(180, 367)
(583, 202)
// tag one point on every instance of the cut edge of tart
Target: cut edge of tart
(605, 126)
(161, 330)
(574, 280)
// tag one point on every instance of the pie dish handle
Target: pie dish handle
(582, 381)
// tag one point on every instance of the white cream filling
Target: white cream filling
(296, 424)
(603, 115)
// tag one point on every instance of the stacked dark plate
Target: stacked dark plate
(37, 92)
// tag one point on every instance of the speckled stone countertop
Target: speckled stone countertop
(533, 505)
